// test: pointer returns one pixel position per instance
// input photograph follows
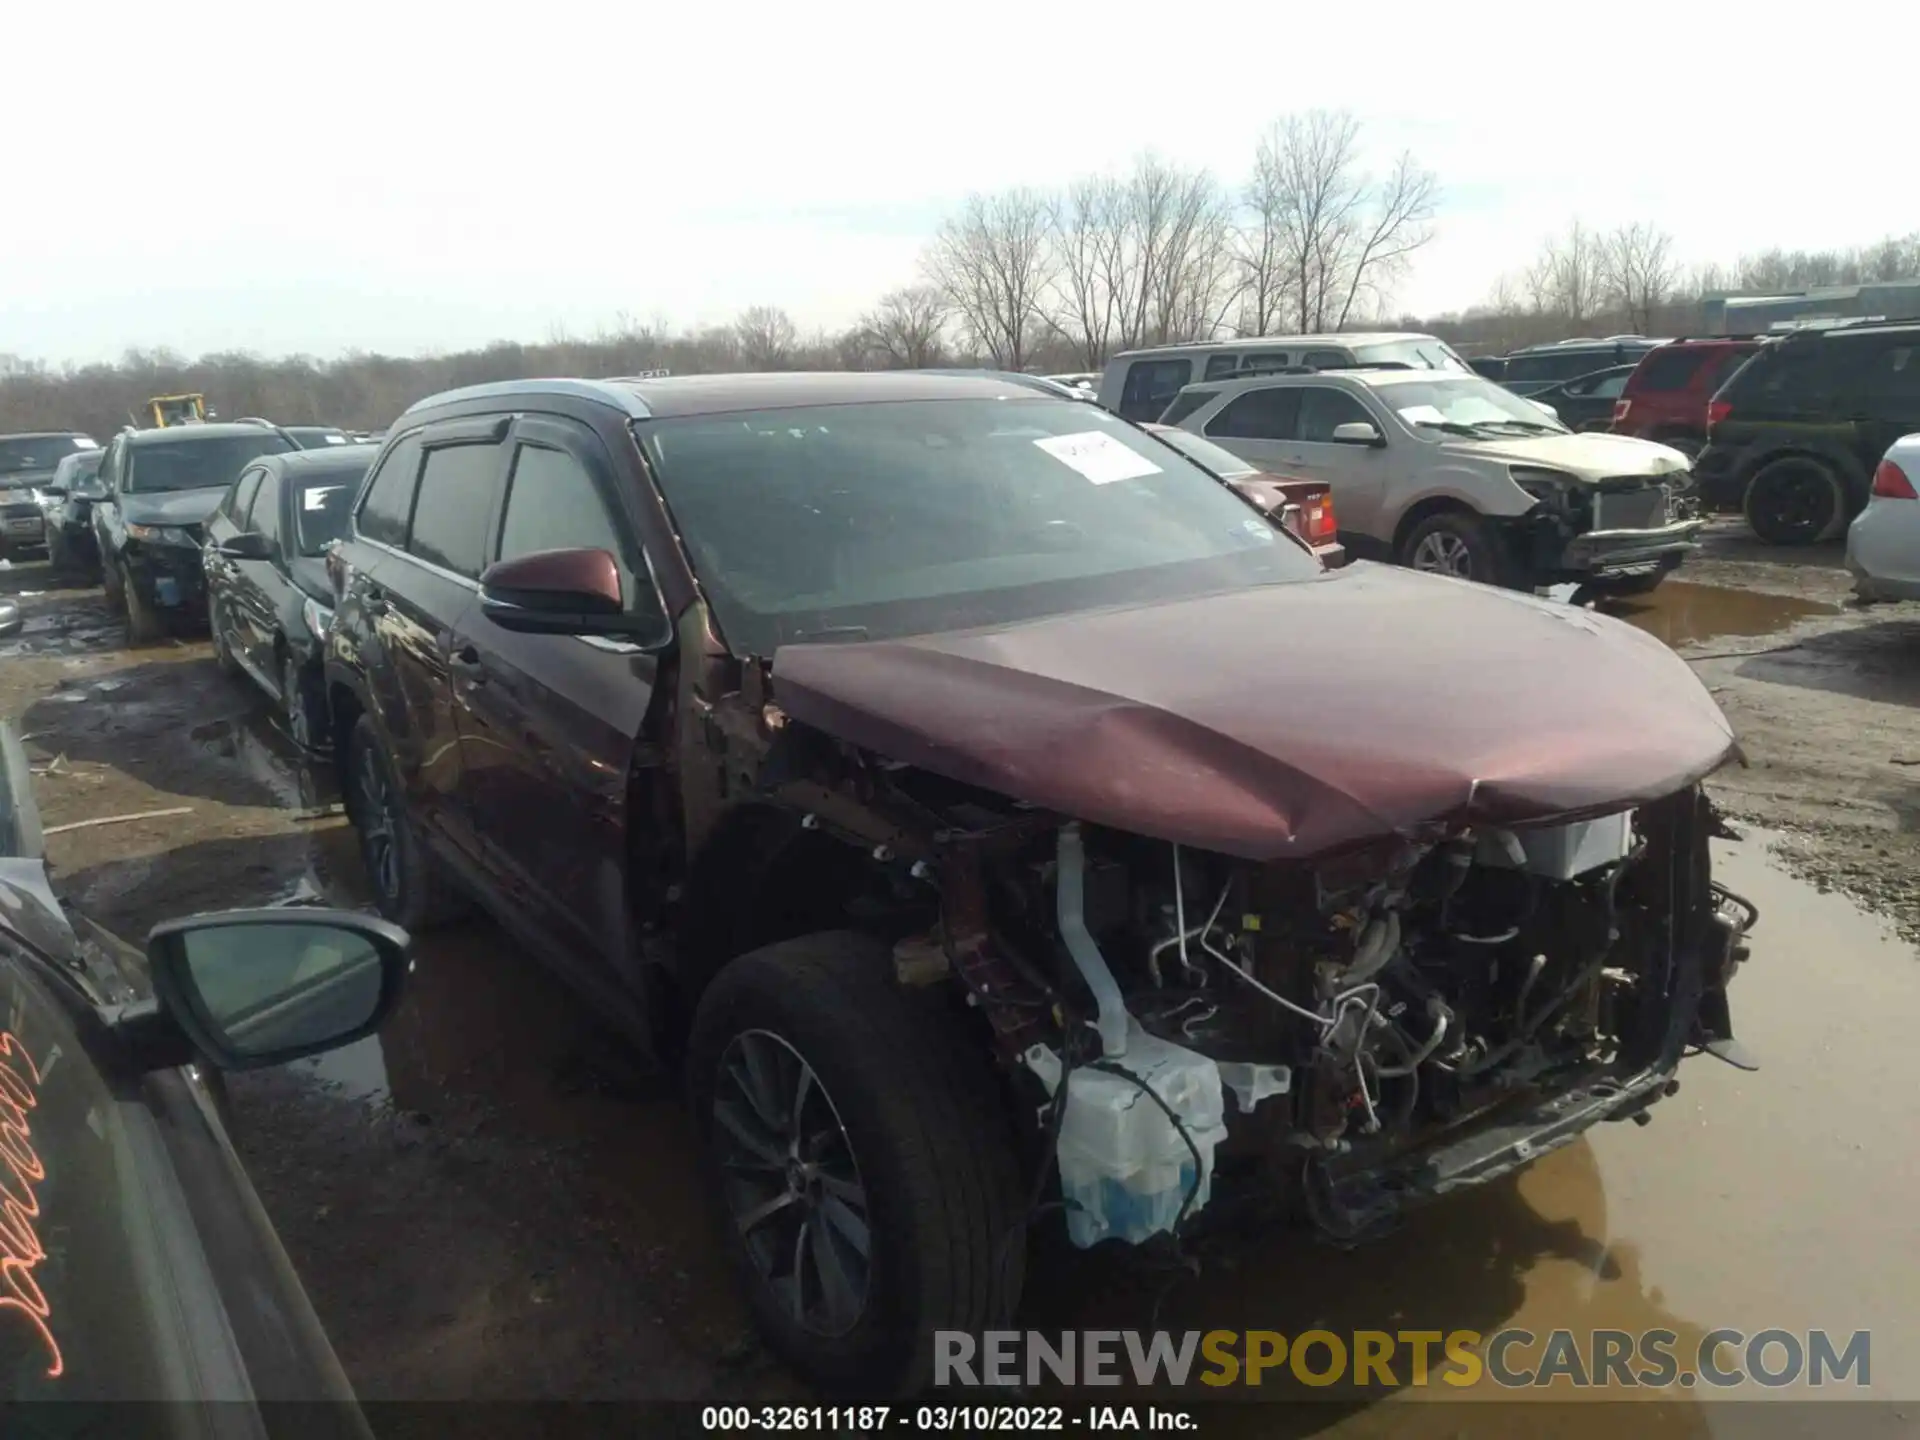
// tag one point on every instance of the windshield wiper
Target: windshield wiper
(1452, 427)
(1529, 427)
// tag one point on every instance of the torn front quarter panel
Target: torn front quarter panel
(1285, 720)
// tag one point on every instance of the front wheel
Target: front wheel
(222, 652)
(143, 623)
(1794, 501)
(856, 1138)
(298, 699)
(1458, 544)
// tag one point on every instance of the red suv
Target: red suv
(1667, 394)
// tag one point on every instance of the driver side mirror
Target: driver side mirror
(247, 988)
(565, 592)
(53, 491)
(250, 546)
(1358, 432)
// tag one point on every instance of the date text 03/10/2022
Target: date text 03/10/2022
(944, 1419)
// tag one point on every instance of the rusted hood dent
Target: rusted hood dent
(1283, 721)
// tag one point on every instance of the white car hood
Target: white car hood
(1589, 455)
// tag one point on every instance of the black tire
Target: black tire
(110, 583)
(408, 886)
(1455, 542)
(143, 624)
(222, 654)
(300, 702)
(1794, 501)
(920, 1114)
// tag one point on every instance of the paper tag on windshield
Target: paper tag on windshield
(1101, 458)
(316, 498)
(336, 439)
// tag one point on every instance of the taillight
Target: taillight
(1718, 410)
(1620, 409)
(1890, 483)
(1320, 525)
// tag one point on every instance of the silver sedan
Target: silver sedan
(1883, 543)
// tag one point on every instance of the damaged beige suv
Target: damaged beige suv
(1452, 474)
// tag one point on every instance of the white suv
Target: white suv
(1449, 472)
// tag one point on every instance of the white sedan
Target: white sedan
(1883, 543)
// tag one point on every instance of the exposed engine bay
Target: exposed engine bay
(1378, 1016)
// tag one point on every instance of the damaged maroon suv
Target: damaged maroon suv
(1000, 818)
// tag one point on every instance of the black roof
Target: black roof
(177, 434)
(677, 395)
(307, 465)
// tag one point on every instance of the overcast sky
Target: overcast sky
(322, 177)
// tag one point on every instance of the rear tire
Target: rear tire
(912, 1104)
(408, 885)
(1794, 501)
(1457, 543)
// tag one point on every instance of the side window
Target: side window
(265, 515)
(1151, 384)
(1270, 414)
(1322, 408)
(1218, 365)
(110, 467)
(1894, 373)
(389, 499)
(1186, 402)
(456, 497)
(553, 504)
(1266, 360)
(1610, 387)
(240, 497)
(1326, 359)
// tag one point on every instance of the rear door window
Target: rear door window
(1219, 365)
(383, 514)
(1668, 368)
(1269, 414)
(1893, 374)
(454, 504)
(1266, 360)
(1151, 385)
(1326, 359)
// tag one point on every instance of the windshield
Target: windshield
(39, 452)
(79, 470)
(1418, 354)
(1467, 406)
(202, 463)
(317, 437)
(866, 521)
(322, 512)
(1219, 460)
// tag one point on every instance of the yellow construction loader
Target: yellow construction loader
(165, 410)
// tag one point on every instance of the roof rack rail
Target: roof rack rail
(1741, 335)
(1248, 372)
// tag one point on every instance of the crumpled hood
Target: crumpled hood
(1286, 720)
(171, 507)
(1588, 454)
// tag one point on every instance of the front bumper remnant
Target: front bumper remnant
(1611, 552)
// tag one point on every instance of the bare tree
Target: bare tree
(1567, 278)
(766, 337)
(1637, 272)
(1330, 235)
(992, 262)
(1092, 283)
(1176, 227)
(903, 330)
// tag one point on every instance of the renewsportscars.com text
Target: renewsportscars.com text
(1509, 1359)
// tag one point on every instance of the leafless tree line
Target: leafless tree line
(1628, 280)
(1164, 252)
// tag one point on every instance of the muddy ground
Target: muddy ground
(491, 1200)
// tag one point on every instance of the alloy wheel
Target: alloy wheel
(1443, 553)
(379, 826)
(792, 1183)
(293, 697)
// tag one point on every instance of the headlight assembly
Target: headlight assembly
(162, 534)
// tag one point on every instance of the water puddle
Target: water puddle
(1682, 613)
(262, 751)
